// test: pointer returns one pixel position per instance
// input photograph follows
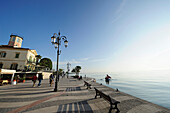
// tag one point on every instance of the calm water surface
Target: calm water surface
(151, 86)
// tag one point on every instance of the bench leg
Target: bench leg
(116, 108)
(88, 87)
(97, 94)
(110, 110)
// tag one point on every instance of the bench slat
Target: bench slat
(87, 84)
(108, 98)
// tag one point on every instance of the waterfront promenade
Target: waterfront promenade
(72, 97)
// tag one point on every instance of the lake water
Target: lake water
(151, 86)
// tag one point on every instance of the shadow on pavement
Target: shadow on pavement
(76, 107)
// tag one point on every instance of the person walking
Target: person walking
(40, 78)
(51, 79)
(18, 78)
(34, 79)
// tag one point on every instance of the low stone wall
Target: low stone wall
(128, 103)
(46, 75)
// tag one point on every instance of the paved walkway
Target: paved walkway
(72, 97)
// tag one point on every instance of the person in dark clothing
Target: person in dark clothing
(107, 79)
(51, 79)
(80, 78)
(40, 78)
(34, 78)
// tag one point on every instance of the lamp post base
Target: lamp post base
(56, 86)
(55, 89)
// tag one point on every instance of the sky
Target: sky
(103, 35)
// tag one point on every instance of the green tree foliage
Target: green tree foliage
(46, 62)
(73, 70)
(76, 70)
(60, 71)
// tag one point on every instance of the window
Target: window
(13, 39)
(2, 54)
(18, 40)
(1, 65)
(34, 60)
(30, 59)
(17, 55)
(14, 66)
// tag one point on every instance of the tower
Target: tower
(15, 41)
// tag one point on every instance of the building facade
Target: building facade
(13, 56)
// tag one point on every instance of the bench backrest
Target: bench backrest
(87, 83)
(106, 97)
(96, 89)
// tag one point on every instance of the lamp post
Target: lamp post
(56, 41)
(68, 68)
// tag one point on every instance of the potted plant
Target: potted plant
(23, 78)
(14, 82)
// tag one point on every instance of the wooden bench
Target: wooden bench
(87, 84)
(109, 99)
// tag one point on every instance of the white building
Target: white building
(13, 56)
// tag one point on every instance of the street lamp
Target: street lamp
(68, 68)
(56, 41)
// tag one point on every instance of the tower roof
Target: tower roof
(17, 36)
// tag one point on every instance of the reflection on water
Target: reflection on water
(150, 86)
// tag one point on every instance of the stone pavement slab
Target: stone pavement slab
(72, 97)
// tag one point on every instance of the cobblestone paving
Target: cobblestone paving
(72, 97)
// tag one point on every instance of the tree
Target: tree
(60, 71)
(73, 70)
(46, 62)
(77, 70)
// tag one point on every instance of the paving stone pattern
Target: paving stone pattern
(72, 97)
